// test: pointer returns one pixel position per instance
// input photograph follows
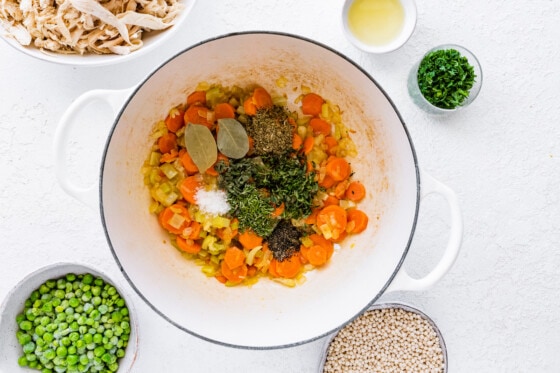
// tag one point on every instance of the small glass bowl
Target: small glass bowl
(393, 305)
(420, 100)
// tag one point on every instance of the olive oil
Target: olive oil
(376, 22)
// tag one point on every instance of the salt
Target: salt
(213, 202)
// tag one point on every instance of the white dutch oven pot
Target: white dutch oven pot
(267, 315)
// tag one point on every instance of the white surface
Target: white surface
(497, 308)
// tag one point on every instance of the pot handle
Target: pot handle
(403, 281)
(115, 98)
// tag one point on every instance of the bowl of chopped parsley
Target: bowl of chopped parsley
(446, 79)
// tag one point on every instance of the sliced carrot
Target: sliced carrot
(262, 98)
(312, 104)
(317, 239)
(189, 186)
(250, 239)
(224, 110)
(249, 106)
(338, 168)
(221, 278)
(188, 164)
(188, 245)
(331, 221)
(197, 97)
(327, 182)
(167, 142)
(320, 126)
(331, 200)
(340, 237)
(312, 218)
(195, 228)
(308, 145)
(331, 142)
(235, 275)
(357, 220)
(226, 234)
(251, 271)
(198, 114)
(175, 119)
(355, 191)
(297, 141)
(175, 218)
(169, 157)
(287, 268)
(234, 257)
(278, 210)
(340, 189)
(316, 255)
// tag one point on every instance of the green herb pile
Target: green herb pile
(255, 185)
(77, 323)
(445, 78)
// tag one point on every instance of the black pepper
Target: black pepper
(270, 130)
(284, 241)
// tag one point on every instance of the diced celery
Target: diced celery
(220, 222)
(154, 158)
(208, 240)
(154, 177)
(209, 270)
(169, 170)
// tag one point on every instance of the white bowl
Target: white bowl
(150, 41)
(409, 23)
(13, 304)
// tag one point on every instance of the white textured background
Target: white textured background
(498, 308)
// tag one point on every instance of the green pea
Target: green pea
(71, 277)
(61, 351)
(98, 351)
(97, 338)
(48, 337)
(49, 354)
(88, 279)
(29, 347)
(25, 325)
(59, 293)
(23, 338)
(22, 361)
(72, 359)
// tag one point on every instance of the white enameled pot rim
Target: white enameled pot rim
(201, 44)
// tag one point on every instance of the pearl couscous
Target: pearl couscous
(387, 339)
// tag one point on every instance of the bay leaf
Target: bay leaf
(201, 146)
(232, 139)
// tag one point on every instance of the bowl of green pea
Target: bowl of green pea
(67, 317)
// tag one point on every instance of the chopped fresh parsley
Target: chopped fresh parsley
(255, 185)
(445, 78)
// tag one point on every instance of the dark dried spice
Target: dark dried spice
(284, 240)
(271, 131)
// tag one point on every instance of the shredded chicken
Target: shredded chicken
(86, 26)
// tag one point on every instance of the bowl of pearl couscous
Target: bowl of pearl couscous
(390, 337)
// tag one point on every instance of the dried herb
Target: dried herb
(445, 78)
(271, 131)
(232, 140)
(284, 240)
(201, 146)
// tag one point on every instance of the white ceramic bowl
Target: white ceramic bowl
(409, 24)
(150, 41)
(393, 305)
(266, 315)
(13, 304)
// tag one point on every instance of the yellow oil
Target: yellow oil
(376, 22)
